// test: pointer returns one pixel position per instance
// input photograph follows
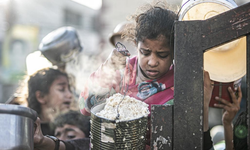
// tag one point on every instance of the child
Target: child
(151, 68)
(149, 76)
(49, 94)
(71, 125)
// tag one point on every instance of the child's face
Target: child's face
(59, 96)
(69, 132)
(154, 57)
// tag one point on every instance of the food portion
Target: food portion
(129, 109)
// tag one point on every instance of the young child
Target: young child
(71, 125)
(49, 94)
(149, 76)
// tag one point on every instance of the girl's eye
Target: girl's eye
(144, 52)
(163, 55)
(62, 89)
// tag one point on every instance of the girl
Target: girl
(49, 94)
(149, 76)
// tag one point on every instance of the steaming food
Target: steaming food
(130, 108)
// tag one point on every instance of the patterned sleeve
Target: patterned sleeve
(100, 85)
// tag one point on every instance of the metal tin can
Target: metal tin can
(117, 135)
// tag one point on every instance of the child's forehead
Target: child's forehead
(154, 45)
(161, 39)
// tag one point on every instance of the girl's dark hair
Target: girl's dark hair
(240, 132)
(155, 20)
(75, 118)
(41, 81)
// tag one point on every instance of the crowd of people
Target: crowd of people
(63, 126)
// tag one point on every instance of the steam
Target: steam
(81, 68)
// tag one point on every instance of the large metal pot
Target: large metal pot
(16, 127)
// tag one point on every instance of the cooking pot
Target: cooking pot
(16, 127)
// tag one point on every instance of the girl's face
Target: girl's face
(154, 57)
(59, 95)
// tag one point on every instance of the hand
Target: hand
(208, 89)
(117, 60)
(230, 109)
(38, 135)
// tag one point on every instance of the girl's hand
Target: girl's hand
(38, 135)
(230, 109)
(117, 60)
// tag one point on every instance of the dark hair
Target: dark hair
(41, 81)
(75, 118)
(156, 20)
(240, 132)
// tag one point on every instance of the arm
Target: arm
(230, 110)
(208, 88)
(42, 142)
(103, 82)
(228, 133)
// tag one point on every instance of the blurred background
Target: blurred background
(23, 23)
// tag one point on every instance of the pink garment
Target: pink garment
(102, 84)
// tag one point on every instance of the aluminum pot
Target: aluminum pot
(16, 127)
(61, 45)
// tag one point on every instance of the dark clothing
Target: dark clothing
(46, 129)
(240, 132)
(207, 143)
(79, 144)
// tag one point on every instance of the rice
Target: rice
(129, 109)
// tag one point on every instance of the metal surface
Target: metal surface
(111, 135)
(218, 60)
(17, 127)
(248, 88)
(195, 38)
(188, 84)
(161, 127)
(61, 45)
